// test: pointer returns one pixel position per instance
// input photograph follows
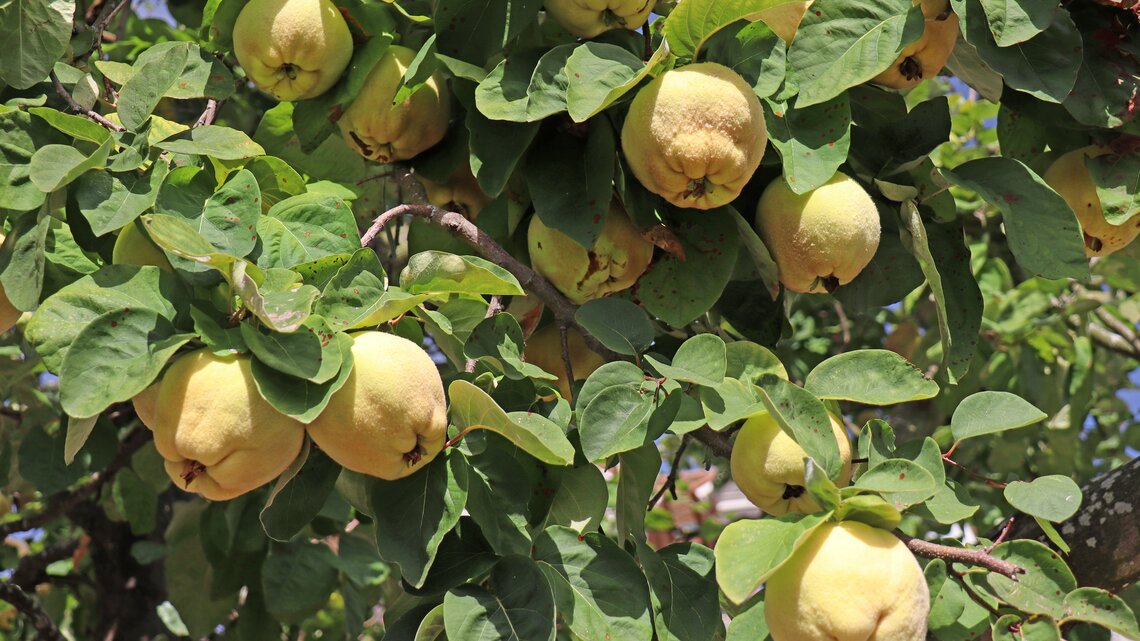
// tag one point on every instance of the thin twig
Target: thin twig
(968, 556)
(567, 364)
(110, 10)
(717, 442)
(60, 504)
(78, 108)
(30, 607)
(1001, 537)
(974, 475)
(670, 484)
(208, 114)
(494, 307)
(977, 598)
(458, 225)
(844, 326)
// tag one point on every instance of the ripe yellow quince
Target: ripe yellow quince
(292, 49)
(821, 239)
(1070, 178)
(768, 466)
(380, 131)
(461, 193)
(591, 18)
(544, 349)
(134, 247)
(849, 581)
(618, 258)
(924, 57)
(219, 437)
(695, 135)
(8, 313)
(390, 418)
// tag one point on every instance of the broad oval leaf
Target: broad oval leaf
(472, 408)
(990, 412)
(870, 376)
(1053, 498)
(749, 551)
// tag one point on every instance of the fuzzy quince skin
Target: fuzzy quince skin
(378, 130)
(292, 49)
(695, 135)
(1070, 178)
(618, 258)
(134, 247)
(925, 57)
(8, 312)
(768, 466)
(219, 437)
(591, 18)
(848, 581)
(390, 418)
(544, 349)
(821, 239)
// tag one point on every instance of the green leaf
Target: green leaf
(1117, 180)
(78, 429)
(580, 500)
(499, 341)
(190, 574)
(825, 493)
(415, 512)
(474, 31)
(679, 291)
(154, 75)
(1054, 497)
(748, 362)
(304, 228)
(1042, 588)
(356, 291)
(514, 604)
(599, 590)
(749, 551)
(1043, 233)
(1010, 627)
(114, 357)
(690, 25)
(55, 166)
(615, 421)
(297, 579)
(22, 136)
(527, 86)
(803, 417)
(588, 165)
(496, 146)
(502, 481)
(1014, 22)
(434, 272)
(870, 376)
(639, 470)
(750, 625)
(300, 398)
(812, 141)
(701, 359)
(990, 412)
(297, 353)
(758, 251)
(729, 402)
(299, 493)
(842, 45)
(463, 557)
(472, 408)
(619, 324)
(109, 201)
(203, 75)
(905, 482)
(136, 500)
(215, 141)
(869, 509)
(1102, 608)
(683, 588)
(35, 34)
(597, 74)
(279, 301)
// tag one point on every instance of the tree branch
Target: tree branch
(467, 231)
(64, 502)
(969, 556)
(670, 483)
(110, 10)
(208, 114)
(30, 607)
(78, 108)
(717, 442)
(494, 307)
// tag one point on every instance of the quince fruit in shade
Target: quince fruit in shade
(924, 57)
(591, 18)
(768, 466)
(390, 418)
(544, 349)
(1070, 178)
(292, 49)
(8, 313)
(134, 247)
(461, 193)
(380, 131)
(219, 437)
(849, 581)
(822, 239)
(695, 135)
(619, 257)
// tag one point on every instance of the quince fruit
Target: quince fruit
(1070, 178)
(924, 57)
(695, 135)
(461, 193)
(390, 418)
(822, 239)
(619, 257)
(219, 437)
(544, 349)
(591, 18)
(768, 466)
(292, 49)
(8, 313)
(134, 247)
(381, 131)
(848, 581)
